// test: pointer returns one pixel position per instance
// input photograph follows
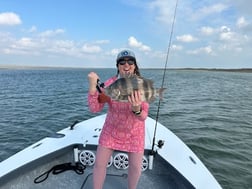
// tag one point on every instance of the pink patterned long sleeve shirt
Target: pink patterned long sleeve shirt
(122, 130)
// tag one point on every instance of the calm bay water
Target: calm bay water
(210, 111)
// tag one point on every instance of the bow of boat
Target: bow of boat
(174, 165)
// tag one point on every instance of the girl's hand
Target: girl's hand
(92, 77)
(135, 100)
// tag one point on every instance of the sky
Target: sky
(90, 33)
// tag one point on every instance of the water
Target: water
(209, 111)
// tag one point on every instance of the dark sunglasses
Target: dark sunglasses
(123, 61)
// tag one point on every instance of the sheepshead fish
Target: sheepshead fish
(124, 86)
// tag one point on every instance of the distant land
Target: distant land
(246, 70)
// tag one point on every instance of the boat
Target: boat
(66, 160)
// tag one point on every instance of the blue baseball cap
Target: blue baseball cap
(126, 54)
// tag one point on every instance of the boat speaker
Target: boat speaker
(121, 161)
(87, 157)
(110, 162)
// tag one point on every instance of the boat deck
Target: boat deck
(162, 176)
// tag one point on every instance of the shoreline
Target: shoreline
(14, 67)
(245, 70)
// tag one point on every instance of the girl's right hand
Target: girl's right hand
(92, 77)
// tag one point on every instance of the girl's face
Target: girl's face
(126, 66)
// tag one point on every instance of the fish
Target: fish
(126, 85)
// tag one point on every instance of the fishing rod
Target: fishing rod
(163, 79)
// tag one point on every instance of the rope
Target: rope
(165, 68)
(57, 169)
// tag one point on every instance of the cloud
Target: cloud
(132, 41)
(244, 25)
(23, 46)
(202, 50)
(213, 9)
(226, 34)
(163, 11)
(114, 52)
(88, 48)
(226, 40)
(45, 44)
(32, 29)
(241, 22)
(5, 37)
(51, 33)
(26, 42)
(187, 38)
(102, 42)
(65, 47)
(206, 30)
(9, 18)
(242, 6)
(177, 47)
(231, 41)
(94, 47)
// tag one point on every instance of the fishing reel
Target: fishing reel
(160, 144)
(102, 98)
(153, 152)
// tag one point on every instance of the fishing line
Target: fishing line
(165, 68)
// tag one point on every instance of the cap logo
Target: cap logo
(125, 53)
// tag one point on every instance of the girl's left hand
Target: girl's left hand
(135, 100)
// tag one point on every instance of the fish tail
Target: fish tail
(160, 93)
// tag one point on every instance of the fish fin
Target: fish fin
(152, 99)
(160, 92)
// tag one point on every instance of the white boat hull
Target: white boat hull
(174, 166)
